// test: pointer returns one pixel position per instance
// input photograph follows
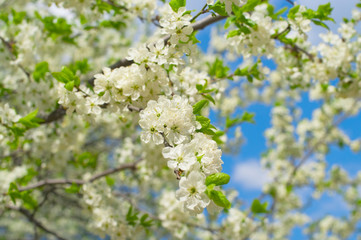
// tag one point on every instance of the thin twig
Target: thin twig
(36, 222)
(95, 177)
(291, 2)
(202, 11)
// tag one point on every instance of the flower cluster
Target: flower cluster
(172, 119)
(192, 156)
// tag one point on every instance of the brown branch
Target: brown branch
(10, 48)
(48, 182)
(54, 115)
(134, 108)
(36, 222)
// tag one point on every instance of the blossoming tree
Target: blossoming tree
(105, 127)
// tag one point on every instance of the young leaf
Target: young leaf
(219, 198)
(41, 69)
(258, 207)
(199, 105)
(176, 4)
(217, 179)
(30, 120)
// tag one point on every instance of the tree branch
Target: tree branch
(36, 222)
(95, 177)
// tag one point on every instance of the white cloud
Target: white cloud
(250, 175)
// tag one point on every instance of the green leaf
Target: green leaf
(74, 188)
(209, 98)
(250, 5)
(218, 198)
(132, 216)
(217, 69)
(258, 207)
(176, 4)
(82, 66)
(219, 8)
(30, 120)
(217, 179)
(248, 117)
(241, 72)
(293, 11)
(18, 17)
(40, 71)
(69, 86)
(204, 121)
(233, 33)
(67, 77)
(199, 105)
(319, 23)
(4, 16)
(13, 192)
(110, 181)
(28, 201)
(61, 77)
(144, 222)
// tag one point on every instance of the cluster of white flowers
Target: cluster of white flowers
(258, 41)
(172, 119)
(7, 177)
(237, 225)
(104, 221)
(200, 154)
(8, 115)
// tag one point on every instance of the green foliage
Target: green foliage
(218, 69)
(318, 17)
(217, 135)
(219, 8)
(82, 66)
(244, 25)
(28, 201)
(40, 71)
(132, 216)
(110, 181)
(73, 188)
(246, 117)
(30, 120)
(176, 4)
(217, 179)
(108, 7)
(199, 106)
(217, 197)
(4, 16)
(275, 15)
(57, 28)
(249, 6)
(18, 17)
(249, 73)
(67, 77)
(145, 222)
(258, 207)
(206, 125)
(13, 17)
(202, 89)
(112, 24)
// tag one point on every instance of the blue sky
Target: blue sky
(246, 174)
